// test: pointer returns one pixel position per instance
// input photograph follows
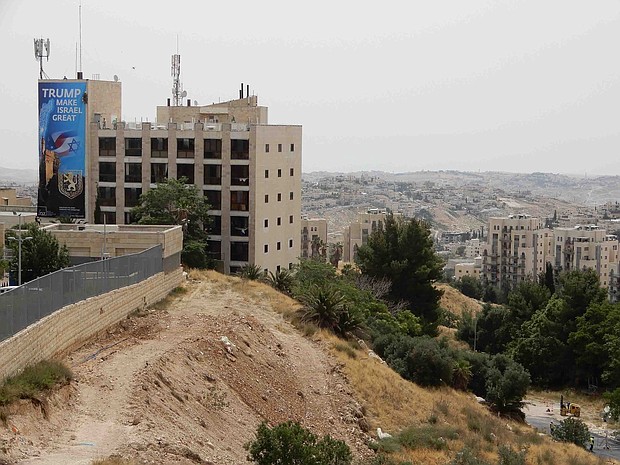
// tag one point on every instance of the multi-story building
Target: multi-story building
(509, 256)
(249, 170)
(473, 269)
(313, 237)
(356, 234)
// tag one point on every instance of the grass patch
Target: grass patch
(35, 379)
(346, 348)
(428, 436)
(178, 291)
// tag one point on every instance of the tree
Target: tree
(506, 384)
(41, 255)
(470, 286)
(290, 444)
(402, 251)
(571, 430)
(335, 253)
(175, 202)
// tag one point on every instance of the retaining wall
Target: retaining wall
(74, 324)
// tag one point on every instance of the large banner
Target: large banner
(62, 148)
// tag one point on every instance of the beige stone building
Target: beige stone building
(473, 269)
(9, 198)
(356, 234)
(313, 237)
(249, 170)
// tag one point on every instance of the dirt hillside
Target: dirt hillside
(189, 382)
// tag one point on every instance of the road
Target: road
(604, 444)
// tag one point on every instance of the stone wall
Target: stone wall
(71, 326)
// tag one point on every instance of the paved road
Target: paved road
(542, 423)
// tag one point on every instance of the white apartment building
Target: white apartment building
(356, 234)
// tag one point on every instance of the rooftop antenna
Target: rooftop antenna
(42, 50)
(80, 11)
(177, 87)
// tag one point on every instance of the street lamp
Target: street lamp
(19, 239)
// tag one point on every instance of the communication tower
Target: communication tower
(177, 86)
(42, 50)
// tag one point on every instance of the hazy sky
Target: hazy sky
(395, 86)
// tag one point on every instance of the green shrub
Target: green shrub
(282, 281)
(508, 456)
(33, 380)
(571, 430)
(251, 272)
(291, 444)
(427, 436)
(467, 457)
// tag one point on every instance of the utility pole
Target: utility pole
(19, 240)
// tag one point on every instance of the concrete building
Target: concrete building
(249, 170)
(9, 198)
(473, 269)
(509, 256)
(356, 234)
(313, 236)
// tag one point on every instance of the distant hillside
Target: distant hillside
(13, 176)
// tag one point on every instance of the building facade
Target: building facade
(249, 171)
(313, 237)
(356, 234)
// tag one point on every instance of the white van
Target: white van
(7, 289)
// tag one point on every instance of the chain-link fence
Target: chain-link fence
(36, 299)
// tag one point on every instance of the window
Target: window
(107, 146)
(213, 175)
(214, 249)
(185, 148)
(279, 173)
(133, 147)
(266, 148)
(279, 197)
(290, 243)
(278, 246)
(159, 172)
(279, 221)
(266, 248)
(132, 194)
(239, 225)
(133, 172)
(290, 219)
(290, 196)
(239, 251)
(240, 200)
(107, 171)
(239, 149)
(186, 171)
(266, 223)
(213, 148)
(292, 171)
(292, 147)
(159, 147)
(240, 175)
(266, 174)
(214, 198)
(215, 226)
(279, 147)
(107, 196)
(266, 198)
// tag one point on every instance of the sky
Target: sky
(499, 85)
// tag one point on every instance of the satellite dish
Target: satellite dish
(115, 78)
(184, 94)
(195, 103)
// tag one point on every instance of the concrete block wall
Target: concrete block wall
(72, 325)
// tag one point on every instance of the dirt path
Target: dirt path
(189, 384)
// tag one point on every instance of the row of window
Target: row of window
(278, 221)
(291, 148)
(278, 246)
(291, 172)
(279, 197)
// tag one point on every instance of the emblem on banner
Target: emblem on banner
(71, 184)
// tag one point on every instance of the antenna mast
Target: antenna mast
(42, 50)
(177, 87)
(80, 70)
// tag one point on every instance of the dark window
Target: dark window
(107, 171)
(240, 201)
(129, 218)
(267, 148)
(214, 250)
(266, 198)
(266, 174)
(239, 251)
(290, 243)
(213, 175)
(278, 246)
(279, 147)
(132, 196)
(266, 248)
(213, 148)
(133, 172)
(279, 173)
(279, 197)
(239, 175)
(292, 147)
(290, 219)
(214, 198)
(107, 196)
(159, 172)
(107, 146)
(215, 226)
(239, 149)
(279, 221)
(133, 147)
(186, 171)
(266, 223)
(185, 148)
(108, 218)
(290, 196)
(239, 225)
(292, 171)
(159, 147)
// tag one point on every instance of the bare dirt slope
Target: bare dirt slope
(188, 383)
